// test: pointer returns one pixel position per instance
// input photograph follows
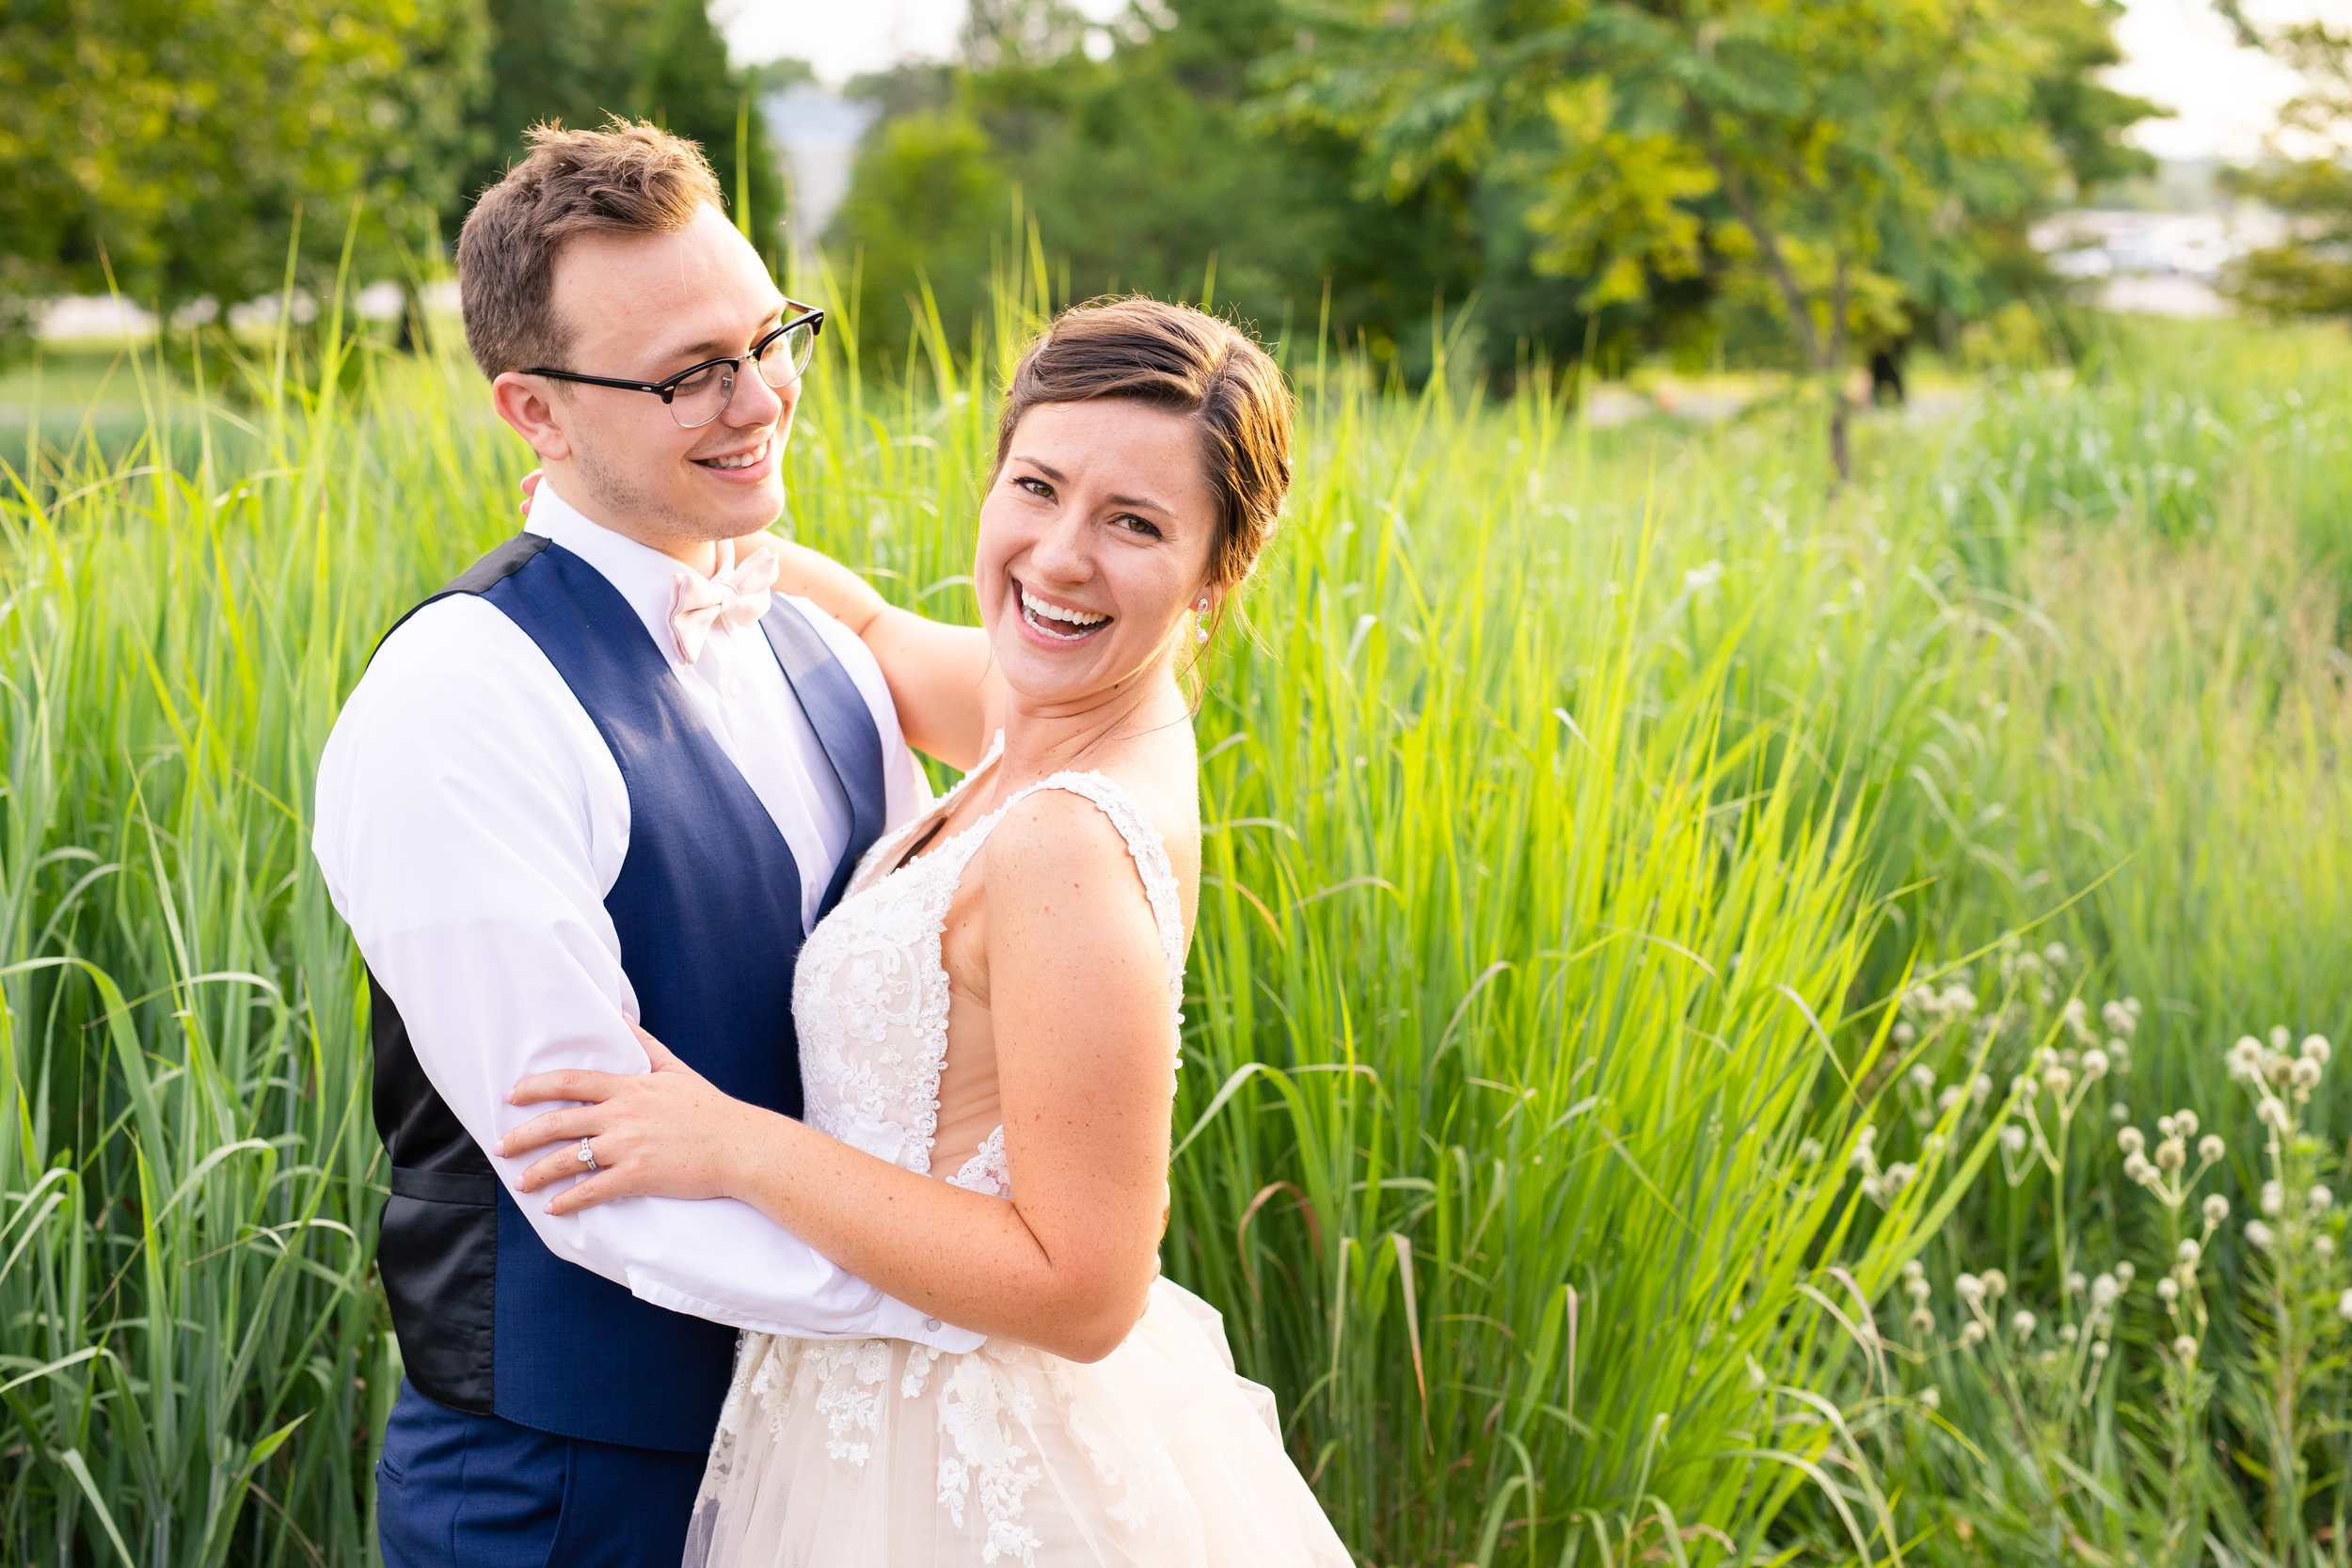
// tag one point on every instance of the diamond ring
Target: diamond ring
(588, 1156)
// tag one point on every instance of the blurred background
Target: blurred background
(1693, 188)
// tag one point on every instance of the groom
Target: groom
(606, 776)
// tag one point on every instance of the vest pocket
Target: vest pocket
(438, 1254)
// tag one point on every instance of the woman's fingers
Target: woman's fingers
(603, 1187)
(531, 489)
(660, 1055)
(581, 1121)
(570, 1083)
(554, 1167)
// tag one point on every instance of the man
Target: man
(604, 778)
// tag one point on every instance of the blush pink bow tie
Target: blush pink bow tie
(736, 593)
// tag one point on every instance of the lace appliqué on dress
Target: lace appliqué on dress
(871, 1002)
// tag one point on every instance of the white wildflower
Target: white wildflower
(2130, 1140)
(2315, 1049)
(2320, 1198)
(1980, 1088)
(2055, 954)
(2185, 1348)
(1953, 1094)
(1972, 1333)
(2274, 1198)
(2210, 1148)
(2124, 1272)
(1923, 1077)
(1904, 1034)
(1969, 1288)
(2023, 1324)
(2167, 1290)
(2104, 1290)
(1996, 1284)
(2304, 1074)
(2014, 1139)
(1922, 1321)
(2190, 1252)
(2119, 1112)
(2280, 1036)
(2260, 1235)
(2217, 1209)
(2094, 1064)
(1929, 1399)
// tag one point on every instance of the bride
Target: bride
(988, 1027)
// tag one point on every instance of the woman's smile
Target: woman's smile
(1055, 621)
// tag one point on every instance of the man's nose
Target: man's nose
(755, 403)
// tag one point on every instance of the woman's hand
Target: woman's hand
(530, 488)
(664, 1134)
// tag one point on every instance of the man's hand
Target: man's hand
(664, 1134)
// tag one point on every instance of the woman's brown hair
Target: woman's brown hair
(1189, 362)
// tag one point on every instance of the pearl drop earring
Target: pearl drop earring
(1201, 631)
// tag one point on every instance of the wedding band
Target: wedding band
(588, 1156)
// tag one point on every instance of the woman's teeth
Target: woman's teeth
(1037, 613)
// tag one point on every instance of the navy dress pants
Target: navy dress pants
(456, 1490)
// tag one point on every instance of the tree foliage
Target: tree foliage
(2310, 271)
(182, 143)
(577, 62)
(1855, 166)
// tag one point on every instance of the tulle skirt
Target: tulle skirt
(879, 1454)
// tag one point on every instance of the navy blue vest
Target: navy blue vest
(708, 907)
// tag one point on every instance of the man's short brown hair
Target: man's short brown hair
(628, 177)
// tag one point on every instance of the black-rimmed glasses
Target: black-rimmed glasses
(699, 394)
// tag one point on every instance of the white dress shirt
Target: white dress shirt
(470, 821)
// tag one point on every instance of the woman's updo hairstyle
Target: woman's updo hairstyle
(1187, 361)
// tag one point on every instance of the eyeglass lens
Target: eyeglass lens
(704, 396)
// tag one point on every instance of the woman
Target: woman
(988, 1027)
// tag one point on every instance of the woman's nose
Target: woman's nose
(1060, 553)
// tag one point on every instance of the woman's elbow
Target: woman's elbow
(1095, 1328)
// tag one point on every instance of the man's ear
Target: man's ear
(526, 404)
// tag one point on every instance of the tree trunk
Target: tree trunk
(1826, 359)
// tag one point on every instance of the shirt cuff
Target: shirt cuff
(895, 1320)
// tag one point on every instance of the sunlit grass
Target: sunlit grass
(1573, 799)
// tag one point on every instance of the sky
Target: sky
(2180, 54)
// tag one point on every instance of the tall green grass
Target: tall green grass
(1572, 801)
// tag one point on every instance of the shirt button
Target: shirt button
(931, 1324)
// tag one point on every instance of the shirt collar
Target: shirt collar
(644, 576)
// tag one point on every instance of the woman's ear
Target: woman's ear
(524, 402)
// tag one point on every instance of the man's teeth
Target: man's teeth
(745, 461)
(1037, 608)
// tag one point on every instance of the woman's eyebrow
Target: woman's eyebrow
(1046, 468)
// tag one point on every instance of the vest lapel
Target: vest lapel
(844, 725)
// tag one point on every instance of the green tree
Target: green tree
(1835, 161)
(577, 62)
(1147, 169)
(182, 143)
(2309, 273)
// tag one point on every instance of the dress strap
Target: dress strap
(1149, 848)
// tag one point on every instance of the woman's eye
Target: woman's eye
(1129, 520)
(1036, 487)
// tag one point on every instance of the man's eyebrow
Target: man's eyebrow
(711, 348)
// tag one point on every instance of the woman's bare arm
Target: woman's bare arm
(943, 678)
(1086, 1047)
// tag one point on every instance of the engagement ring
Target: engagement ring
(588, 1156)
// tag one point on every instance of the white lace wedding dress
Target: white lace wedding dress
(882, 1453)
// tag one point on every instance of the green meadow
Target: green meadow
(1692, 959)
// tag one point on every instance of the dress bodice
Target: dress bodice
(869, 999)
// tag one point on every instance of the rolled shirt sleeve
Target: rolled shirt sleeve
(469, 820)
